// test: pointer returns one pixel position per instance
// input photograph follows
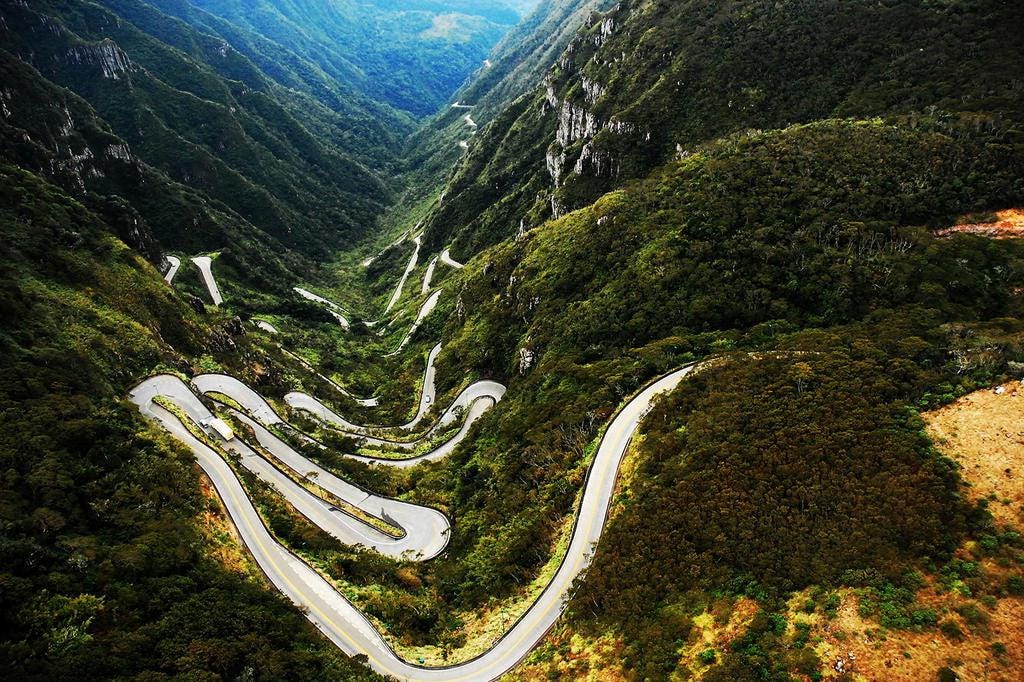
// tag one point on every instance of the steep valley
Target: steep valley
(469, 340)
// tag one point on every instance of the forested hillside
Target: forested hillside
(765, 191)
(411, 56)
(53, 132)
(106, 570)
(229, 139)
(650, 80)
(517, 64)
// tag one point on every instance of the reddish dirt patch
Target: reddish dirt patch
(1009, 224)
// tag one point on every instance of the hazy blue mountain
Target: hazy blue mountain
(411, 55)
(207, 119)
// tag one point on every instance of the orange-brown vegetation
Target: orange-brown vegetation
(1007, 224)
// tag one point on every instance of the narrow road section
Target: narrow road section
(175, 265)
(333, 308)
(429, 276)
(405, 276)
(446, 258)
(205, 265)
(425, 309)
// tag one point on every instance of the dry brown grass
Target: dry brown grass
(222, 540)
(1008, 224)
(716, 629)
(984, 433)
(900, 656)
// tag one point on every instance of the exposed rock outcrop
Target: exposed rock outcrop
(107, 56)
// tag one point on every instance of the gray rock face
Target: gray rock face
(110, 59)
(575, 123)
(527, 359)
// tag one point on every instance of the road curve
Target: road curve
(263, 325)
(425, 530)
(474, 401)
(425, 309)
(428, 394)
(471, 404)
(413, 259)
(175, 264)
(446, 258)
(429, 276)
(346, 626)
(365, 402)
(205, 265)
(333, 308)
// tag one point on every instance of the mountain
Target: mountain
(681, 314)
(228, 139)
(648, 81)
(332, 110)
(104, 563)
(515, 66)
(762, 185)
(410, 56)
(57, 135)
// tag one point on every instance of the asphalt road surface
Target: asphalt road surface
(205, 265)
(341, 621)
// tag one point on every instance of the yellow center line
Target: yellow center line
(284, 577)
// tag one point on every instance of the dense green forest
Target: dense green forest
(699, 259)
(105, 571)
(757, 186)
(411, 57)
(651, 80)
(227, 139)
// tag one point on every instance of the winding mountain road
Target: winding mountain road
(425, 309)
(474, 401)
(446, 258)
(426, 530)
(413, 259)
(428, 277)
(333, 308)
(339, 619)
(399, 529)
(205, 265)
(175, 265)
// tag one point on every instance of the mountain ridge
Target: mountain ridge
(760, 193)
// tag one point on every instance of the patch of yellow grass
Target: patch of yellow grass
(870, 653)
(984, 433)
(222, 541)
(716, 628)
